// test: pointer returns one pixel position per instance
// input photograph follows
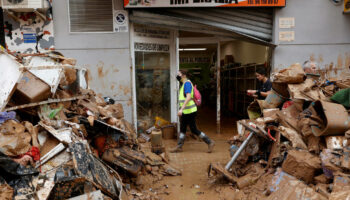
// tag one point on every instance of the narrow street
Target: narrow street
(96, 96)
(194, 161)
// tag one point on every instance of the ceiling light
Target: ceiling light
(193, 49)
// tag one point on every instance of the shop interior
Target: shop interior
(238, 60)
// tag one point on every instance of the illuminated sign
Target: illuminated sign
(202, 3)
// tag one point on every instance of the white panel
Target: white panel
(50, 76)
(11, 74)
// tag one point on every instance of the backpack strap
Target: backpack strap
(184, 87)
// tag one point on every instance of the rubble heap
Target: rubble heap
(59, 140)
(300, 144)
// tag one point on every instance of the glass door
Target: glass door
(152, 85)
(152, 54)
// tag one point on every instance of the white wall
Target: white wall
(245, 52)
(321, 34)
(105, 55)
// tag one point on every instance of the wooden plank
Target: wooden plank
(221, 170)
(46, 102)
(275, 149)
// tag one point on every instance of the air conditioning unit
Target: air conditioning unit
(24, 5)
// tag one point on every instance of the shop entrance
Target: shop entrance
(222, 68)
(199, 54)
(200, 62)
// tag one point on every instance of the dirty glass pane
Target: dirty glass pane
(152, 85)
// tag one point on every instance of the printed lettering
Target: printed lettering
(201, 1)
(226, 1)
(172, 2)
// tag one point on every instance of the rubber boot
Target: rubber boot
(180, 143)
(209, 142)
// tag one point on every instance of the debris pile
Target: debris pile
(295, 144)
(59, 140)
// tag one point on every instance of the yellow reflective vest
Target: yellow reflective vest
(191, 106)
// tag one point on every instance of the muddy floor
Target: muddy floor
(194, 161)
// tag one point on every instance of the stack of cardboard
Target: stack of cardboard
(308, 155)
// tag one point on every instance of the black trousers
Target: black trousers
(189, 120)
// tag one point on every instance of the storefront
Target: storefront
(211, 39)
(134, 42)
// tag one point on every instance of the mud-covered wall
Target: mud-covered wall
(105, 55)
(27, 32)
(322, 35)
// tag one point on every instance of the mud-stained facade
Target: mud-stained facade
(321, 36)
(28, 32)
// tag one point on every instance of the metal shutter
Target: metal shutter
(250, 23)
(91, 15)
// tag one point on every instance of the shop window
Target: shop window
(91, 15)
(152, 84)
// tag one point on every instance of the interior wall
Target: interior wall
(245, 52)
(321, 35)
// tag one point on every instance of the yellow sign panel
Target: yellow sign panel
(346, 6)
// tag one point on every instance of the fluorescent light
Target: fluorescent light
(193, 49)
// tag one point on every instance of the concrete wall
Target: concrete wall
(321, 35)
(244, 52)
(105, 55)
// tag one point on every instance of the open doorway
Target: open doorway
(238, 60)
(200, 61)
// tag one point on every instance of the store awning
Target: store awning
(254, 25)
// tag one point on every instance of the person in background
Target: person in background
(310, 67)
(265, 87)
(187, 114)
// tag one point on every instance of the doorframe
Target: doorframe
(217, 41)
(133, 76)
(174, 67)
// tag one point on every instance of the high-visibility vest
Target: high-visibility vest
(191, 106)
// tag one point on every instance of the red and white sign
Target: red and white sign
(202, 3)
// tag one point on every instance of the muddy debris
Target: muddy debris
(302, 145)
(61, 140)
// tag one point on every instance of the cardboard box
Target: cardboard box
(301, 164)
(31, 89)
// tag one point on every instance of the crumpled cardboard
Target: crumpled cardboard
(307, 90)
(290, 75)
(14, 141)
(341, 188)
(287, 187)
(293, 136)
